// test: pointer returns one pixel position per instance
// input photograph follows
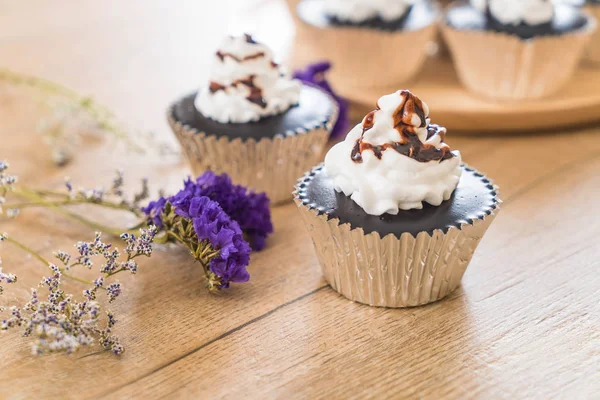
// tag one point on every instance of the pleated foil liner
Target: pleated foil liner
(592, 52)
(503, 66)
(363, 57)
(270, 165)
(389, 271)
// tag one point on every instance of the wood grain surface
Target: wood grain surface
(525, 323)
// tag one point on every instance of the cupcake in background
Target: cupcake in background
(441, 50)
(394, 215)
(370, 43)
(592, 7)
(252, 121)
(523, 49)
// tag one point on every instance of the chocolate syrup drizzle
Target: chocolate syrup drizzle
(254, 56)
(255, 96)
(249, 39)
(256, 93)
(409, 144)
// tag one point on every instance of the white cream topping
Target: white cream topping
(396, 181)
(246, 84)
(514, 12)
(362, 10)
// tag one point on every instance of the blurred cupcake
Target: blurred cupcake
(371, 43)
(518, 49)
(592, 7)
(394, 216)
(592, 53)
(252, 121)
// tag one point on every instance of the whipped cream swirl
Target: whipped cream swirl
(515, 12)
(246, 84)
(395, 159)
(361, 10)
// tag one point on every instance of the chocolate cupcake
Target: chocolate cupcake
(516, 50)
(592, 52)
(394, 215)
(252, 121)
(371, 43)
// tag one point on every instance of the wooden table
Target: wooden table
(524, 324)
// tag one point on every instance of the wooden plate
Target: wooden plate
(458, 110)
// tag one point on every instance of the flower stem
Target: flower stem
(42, 192)
(58, 208)
(43, 260)
(101, 114)
(70, 202)
(43, 203)
(178, 238)
(28, 249)
(77, 279)
(109, 274)
(66, 200)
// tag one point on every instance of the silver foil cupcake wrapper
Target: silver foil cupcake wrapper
(270, 165)
(393, 271)
(503, 66)
(592, 52)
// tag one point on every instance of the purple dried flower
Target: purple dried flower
(8, 278)
(131, 266)
(111, 319)
(143, 194)
(141, 245)
(84, 248)
(32, 303)
(60, 323)
(113, 291)
(117, 183)
(144, 242)
(250, 210)
(99, 282)
(154, 211)
(63, 257)
(12, 212)
(111, 264)
(90, 294)
(315, 74)
(117, 348)
(220, 214)
(224, 235)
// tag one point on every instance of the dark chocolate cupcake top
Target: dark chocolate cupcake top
(246, 84)
(475, 197)
(315, 109)
(395, 159)
(523, 18)
(578, 3)
(387, 15)
(357, 11)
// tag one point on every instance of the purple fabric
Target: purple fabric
(315, 74)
